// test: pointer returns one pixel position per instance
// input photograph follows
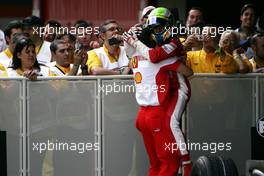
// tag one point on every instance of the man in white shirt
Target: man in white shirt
(11, 29)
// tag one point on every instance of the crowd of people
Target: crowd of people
(150, 50)
(101, 51)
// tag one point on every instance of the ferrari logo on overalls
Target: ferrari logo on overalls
(138, 77)
(134, 62)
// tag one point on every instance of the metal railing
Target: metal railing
(78, 109)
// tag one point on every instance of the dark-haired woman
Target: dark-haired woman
(25, 62)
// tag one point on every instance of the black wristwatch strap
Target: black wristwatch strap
(84, 67)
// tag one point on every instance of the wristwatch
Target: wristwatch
(121, 70)
(84, 67)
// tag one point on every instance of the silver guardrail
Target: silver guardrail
(80, 108)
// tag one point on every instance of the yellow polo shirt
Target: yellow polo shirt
(58, 70)
(202, 62)
(100, 57)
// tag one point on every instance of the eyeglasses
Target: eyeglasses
(227, 42)
(114, 28)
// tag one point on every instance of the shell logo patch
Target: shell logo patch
(138, 77)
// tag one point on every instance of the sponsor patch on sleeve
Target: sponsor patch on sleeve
(134, 62)
(168, 48)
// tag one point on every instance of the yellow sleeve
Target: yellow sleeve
(51, 73)
(3, 71)
(229, 66)
(252, 64)
(248, 64)
(189, 59)
(93, 60)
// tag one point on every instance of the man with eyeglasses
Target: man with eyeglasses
(110, 59)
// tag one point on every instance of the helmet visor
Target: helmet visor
(154, 21)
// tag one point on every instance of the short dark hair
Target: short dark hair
(32, 21)
(253, 40)
(21, 44)
(20, 36)
(102, 28)
(71, 37)
(199, 9)
(248, 6)
(54, 45)
(82, 23)
(196, 8)
(53, 23)
(15, 24)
